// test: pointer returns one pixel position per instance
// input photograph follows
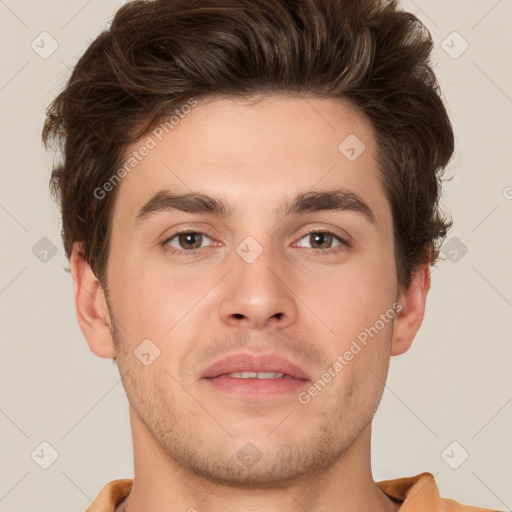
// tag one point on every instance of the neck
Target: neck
(161, 485)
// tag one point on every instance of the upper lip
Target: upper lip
(246, 362)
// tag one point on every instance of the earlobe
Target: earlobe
(410, 317)
(91, 306)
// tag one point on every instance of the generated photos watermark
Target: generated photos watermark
(143, 150)
(304, 397)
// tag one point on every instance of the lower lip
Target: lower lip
(260, 388)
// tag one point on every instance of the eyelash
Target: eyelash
(344, 245)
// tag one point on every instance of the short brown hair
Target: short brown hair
(158, 54)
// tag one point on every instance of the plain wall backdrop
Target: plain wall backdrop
(448, 398)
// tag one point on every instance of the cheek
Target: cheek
(139, 299)
(158, 302)
(349, 297)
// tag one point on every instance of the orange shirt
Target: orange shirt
(417, 493)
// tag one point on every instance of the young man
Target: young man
(249, 195)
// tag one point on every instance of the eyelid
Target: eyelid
(173, 231)
(344, 238)
(167, 239)
(345, 242)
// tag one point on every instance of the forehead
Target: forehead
(255, 155)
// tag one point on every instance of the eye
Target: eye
(321, 241)
(188, 242)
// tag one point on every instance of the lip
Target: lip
(247, 362)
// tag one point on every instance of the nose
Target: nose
(258, 295)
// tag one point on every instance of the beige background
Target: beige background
(455, 383)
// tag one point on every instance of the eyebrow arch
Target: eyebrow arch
(328, 200)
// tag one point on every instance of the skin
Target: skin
(196, 309)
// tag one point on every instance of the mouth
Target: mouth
(259, 376)
(256, 375)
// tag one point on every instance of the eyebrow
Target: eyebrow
(327, 200)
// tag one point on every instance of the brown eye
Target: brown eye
(323, 240)
(189, 240)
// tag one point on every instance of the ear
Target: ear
(409, 319)
(91, 306)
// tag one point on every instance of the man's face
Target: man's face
(306, 297)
